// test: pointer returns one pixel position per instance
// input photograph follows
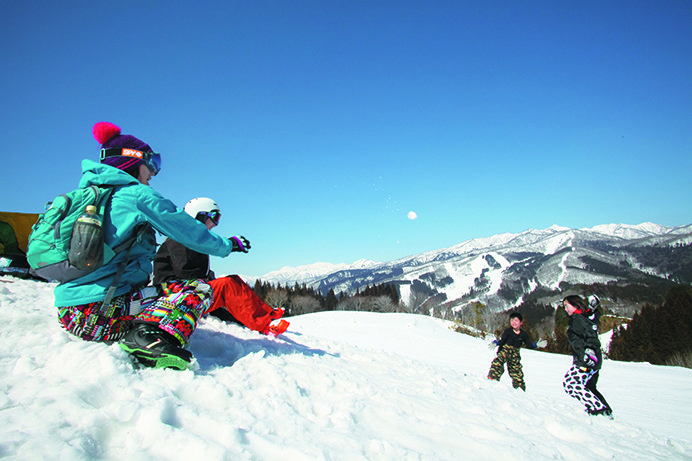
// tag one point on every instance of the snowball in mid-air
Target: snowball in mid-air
(412, 215)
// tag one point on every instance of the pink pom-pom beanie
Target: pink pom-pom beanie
(109, 135)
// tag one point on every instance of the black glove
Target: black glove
(590, 358)
(240, 244)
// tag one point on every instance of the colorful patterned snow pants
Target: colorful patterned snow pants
(176, 309)
(87, 322)
(510, 355)
(582, 386)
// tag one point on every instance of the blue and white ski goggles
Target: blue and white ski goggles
(151, 159)
(215, 216)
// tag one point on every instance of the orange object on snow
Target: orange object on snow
(236, 296)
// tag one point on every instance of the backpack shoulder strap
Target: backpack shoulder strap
(103, 196)
(121, 270)
(63, 215)
(127, 244)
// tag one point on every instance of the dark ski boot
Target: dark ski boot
(155, 348)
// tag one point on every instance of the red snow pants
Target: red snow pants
(236, 296)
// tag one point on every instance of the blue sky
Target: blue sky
(319, 125)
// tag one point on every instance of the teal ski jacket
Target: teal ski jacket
(133, 204)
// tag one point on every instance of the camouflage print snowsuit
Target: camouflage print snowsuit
(510, 355)
(508, 352)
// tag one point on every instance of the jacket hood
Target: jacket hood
(99, 174)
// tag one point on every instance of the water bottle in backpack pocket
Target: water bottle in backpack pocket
(86, 245)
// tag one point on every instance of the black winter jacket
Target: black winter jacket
(583, 334)
(174, 261)
(510, 338)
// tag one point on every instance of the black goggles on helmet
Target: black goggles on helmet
(215, 216)
(151, 159)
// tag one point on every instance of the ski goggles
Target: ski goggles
(215, 216)
(151, 159)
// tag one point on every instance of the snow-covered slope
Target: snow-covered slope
(501, 270)
(336, 386)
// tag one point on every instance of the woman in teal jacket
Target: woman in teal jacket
(157, 334)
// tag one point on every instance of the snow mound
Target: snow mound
(336, 386)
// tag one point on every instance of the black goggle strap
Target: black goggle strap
(152, 159)
(119, 151)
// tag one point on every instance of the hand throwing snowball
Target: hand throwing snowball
(233, 298)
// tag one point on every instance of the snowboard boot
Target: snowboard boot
(277, 329)
(277, 313)
(520, 385)
(155, 348)
(604, 412)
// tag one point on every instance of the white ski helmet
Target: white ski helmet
(202, 208)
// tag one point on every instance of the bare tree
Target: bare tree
(353, 303)
(277, 299)
(383, 303)
(478, 315)
(304, 305)
(416, 301)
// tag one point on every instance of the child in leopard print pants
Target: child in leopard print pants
(580, 380)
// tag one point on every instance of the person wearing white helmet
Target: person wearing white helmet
(175, 262)
(114, 302)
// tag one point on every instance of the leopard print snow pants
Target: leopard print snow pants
(581, 385)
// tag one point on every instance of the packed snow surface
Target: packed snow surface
(336, 386)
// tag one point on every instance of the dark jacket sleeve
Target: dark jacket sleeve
(510, 338)
(527, 340)
(583, 334)
(176, 262)
(504, 338)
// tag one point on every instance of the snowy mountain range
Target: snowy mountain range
(500, 271)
